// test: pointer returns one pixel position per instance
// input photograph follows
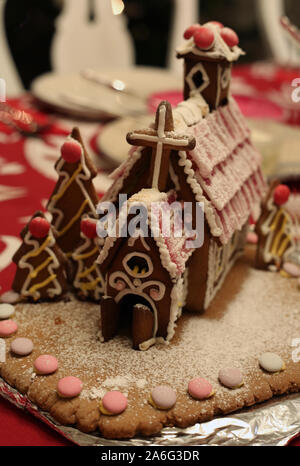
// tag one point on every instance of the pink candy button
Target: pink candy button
(114, 402)
(46, 364)
(164, 397)
(8, 328)
(200, 388)
(231, 377)
(292, 269)
(21, 346)
(70, 386)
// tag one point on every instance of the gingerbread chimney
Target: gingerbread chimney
(208, 55)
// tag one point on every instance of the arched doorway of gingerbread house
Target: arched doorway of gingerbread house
(137, 319)
(131, 315)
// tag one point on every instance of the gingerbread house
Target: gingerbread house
(201, 151)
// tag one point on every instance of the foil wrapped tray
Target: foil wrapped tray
(273, 423)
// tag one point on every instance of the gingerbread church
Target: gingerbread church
(199, 152)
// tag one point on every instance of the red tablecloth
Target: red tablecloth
(27, 177)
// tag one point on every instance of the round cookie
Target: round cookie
(46, 364)
(6, 311)
(113, 403)
(69, 387)
(163, 397)
(200, 389)
(231, 377)
(271, 362)
(7, 328)
(21, 346)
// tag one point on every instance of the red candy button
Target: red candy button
(71, 151)
(230, 37)
(39, 227)
(204, 38)
(281, 194)
(189, 32)
(89, 228)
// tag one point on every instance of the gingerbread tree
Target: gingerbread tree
(74, 194)
(274, 228)
(88, 281)
(41, 265)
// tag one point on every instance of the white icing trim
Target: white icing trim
(218, 271)
(137, 254)
(212, 220)
(220, 49)
(177, 301)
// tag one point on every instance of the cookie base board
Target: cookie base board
(255, 311)
(246, 428)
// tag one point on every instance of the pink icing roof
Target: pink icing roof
(173, 248)
(227, 167)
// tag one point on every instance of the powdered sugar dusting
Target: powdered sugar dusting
(262, 316)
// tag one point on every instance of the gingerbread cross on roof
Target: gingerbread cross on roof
(163, 139)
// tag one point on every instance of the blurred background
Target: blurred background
(30, 28)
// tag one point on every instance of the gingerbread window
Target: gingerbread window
(197, 78)
(138, 265)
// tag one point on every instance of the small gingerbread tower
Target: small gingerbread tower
(74, 194)
(41, 266)
(274, 228)
(208, 57)
(88, 282)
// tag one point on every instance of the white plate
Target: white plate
(78, 97)
(271, 139)
(112, 143)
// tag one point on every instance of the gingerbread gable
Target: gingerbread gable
(173, 249)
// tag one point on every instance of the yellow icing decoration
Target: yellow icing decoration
(284, 274)
(278, 236)
(73, 220)
(33, 289)
(38, 251)
(86, 255)
(91, 285)
(34, 273)
(87, 271)
(65, 187)
(284, 246)
(135, 270)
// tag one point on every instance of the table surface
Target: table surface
(27, 178)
